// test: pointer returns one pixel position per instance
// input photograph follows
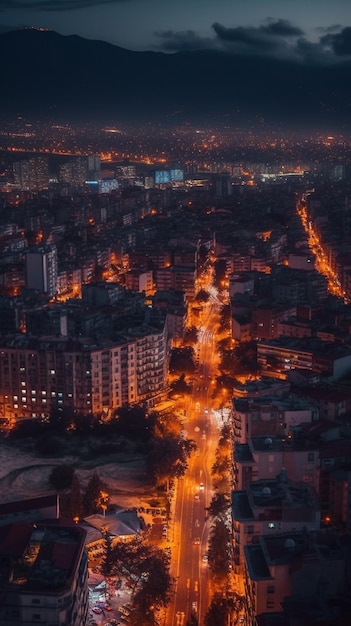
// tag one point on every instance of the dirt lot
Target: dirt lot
(25, 474)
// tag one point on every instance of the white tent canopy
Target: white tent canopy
(124, 522)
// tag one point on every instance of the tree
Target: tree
(221, 470)
(181, 360)
(108, 558)
(219, 554)
(134, 422)
(220, 503)
(168, 458)
(222, 608)
(92, 496)
(61, 476)
(225, 314)
(156, 587)
(190, 336)
(146, 569)
(180, 386)
(216, 614)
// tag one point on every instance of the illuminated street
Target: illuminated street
(194, 491)
(321, 262)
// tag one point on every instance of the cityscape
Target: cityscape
(175, 358)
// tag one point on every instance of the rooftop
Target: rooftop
(39, 556)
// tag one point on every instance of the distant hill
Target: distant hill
(49, 75)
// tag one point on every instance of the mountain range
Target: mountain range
(48, 75)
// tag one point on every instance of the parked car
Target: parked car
(97, 610)
(125, 609)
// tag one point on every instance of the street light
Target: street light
(104, 496)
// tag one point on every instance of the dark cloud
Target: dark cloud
(249, 39)
(340, 43)
(281, 28)
(313, 52)
(53, 5)
(183, 40)
(276, 38)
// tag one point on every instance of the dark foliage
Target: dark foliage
(224, 609)
(182, 361)
(50, 446)
(91, 498)
(219, 549)
(61, 476)
(180, 386)
(168, 458)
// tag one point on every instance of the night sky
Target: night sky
(316, 31)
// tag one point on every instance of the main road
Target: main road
(191, 525)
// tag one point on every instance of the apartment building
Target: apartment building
(41, 269)
(271, 506)
(269, 416)
(39, 375)
(301, 572)
(265, 456)
(278, 356)
(44, 574)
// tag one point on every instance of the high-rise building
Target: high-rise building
(32, 174)
(41, 269)
(94, 167)
(74, 172)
